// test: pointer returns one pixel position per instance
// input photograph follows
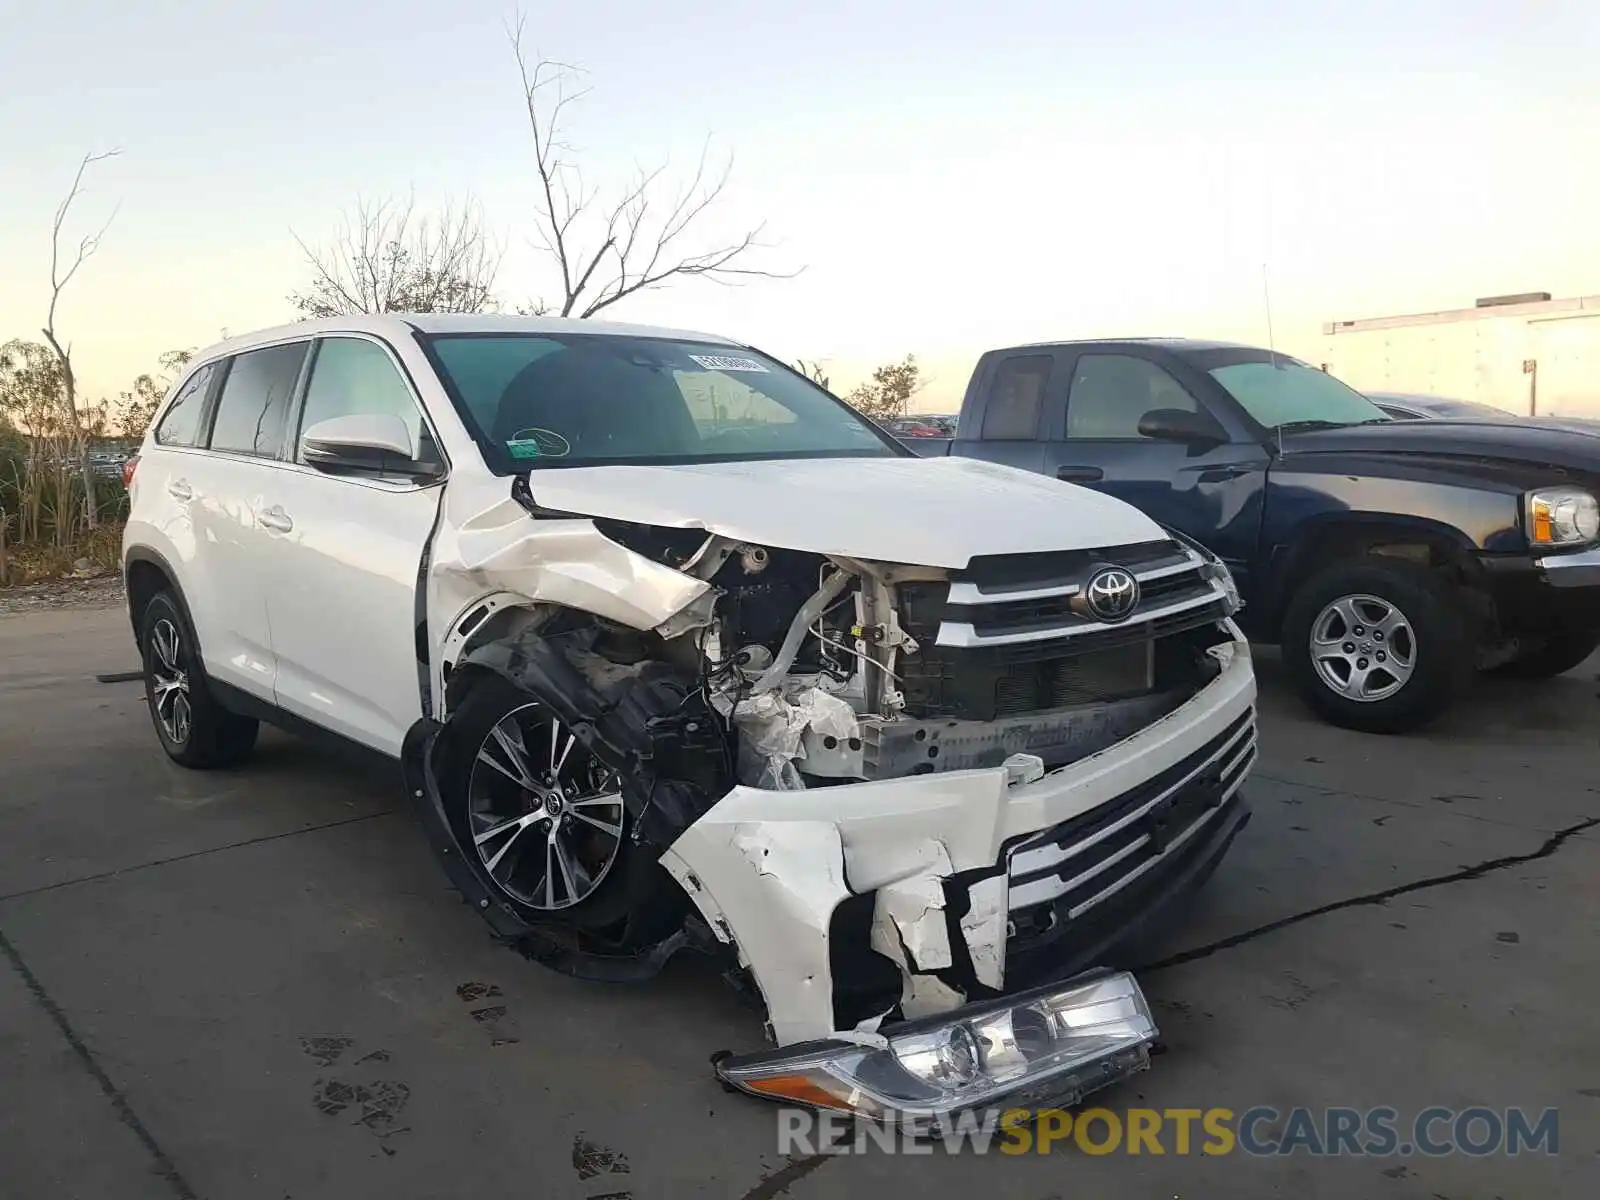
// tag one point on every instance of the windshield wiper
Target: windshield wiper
(1304, 426)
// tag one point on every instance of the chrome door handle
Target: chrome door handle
(275, 519)
(179, 489)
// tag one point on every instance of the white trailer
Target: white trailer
(1527, 354)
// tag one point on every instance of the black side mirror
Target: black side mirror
(1181, 425)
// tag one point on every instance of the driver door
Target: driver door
(1210, 492)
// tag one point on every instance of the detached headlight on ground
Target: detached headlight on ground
(1562, 517)
(1049, 1046)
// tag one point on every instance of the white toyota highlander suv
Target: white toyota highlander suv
(678, 652)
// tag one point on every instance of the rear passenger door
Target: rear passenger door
(342, 593)
(234, 484)
(1016, 388)
(1210, 492)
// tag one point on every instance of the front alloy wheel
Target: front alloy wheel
(1363, 648)
(545, 814)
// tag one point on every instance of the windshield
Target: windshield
(542, 400)
(1286, 391)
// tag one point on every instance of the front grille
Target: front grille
(998, 603)
(951, 683)
(1010, 635)
(1062, 873)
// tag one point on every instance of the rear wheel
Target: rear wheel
(1377, 645)
(194, 729)
(1555, 656)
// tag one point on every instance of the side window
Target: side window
(352, 376)
(1012, 413)
(181, 424)
(255, 400)
(1111, 392)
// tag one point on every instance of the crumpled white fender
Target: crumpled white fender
(488, 543)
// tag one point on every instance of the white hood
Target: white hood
(935, 512)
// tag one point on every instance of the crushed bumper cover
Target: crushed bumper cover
(904, 899)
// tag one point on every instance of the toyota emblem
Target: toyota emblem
(1112, 594)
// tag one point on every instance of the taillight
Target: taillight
(128, 468)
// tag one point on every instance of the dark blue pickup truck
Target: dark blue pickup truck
(1390, 559)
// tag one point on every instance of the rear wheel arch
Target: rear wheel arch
(146, 574)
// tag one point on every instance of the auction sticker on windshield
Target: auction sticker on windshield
(725, 362)
(537, 443)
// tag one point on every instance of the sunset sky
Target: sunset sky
(950, 177)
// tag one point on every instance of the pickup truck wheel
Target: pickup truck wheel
(194, 729)
(1556, 656)
(1377, 646)
(544, 815)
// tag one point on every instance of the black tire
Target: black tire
(208, 736)
(1442, 645)
(1554, 657)
(633, 895)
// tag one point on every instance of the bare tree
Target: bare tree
(814, 372)
(388, 257)
(606, 252)
(60, 276)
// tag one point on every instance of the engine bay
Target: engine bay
(828, 670)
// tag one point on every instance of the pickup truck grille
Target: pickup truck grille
(1059, 875)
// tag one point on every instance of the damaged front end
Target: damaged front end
(903, 803)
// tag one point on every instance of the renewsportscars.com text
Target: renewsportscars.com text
(1261, 1131)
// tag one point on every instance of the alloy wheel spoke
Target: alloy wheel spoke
(524, 824)
(558, 753)
(509, 738)
(615, 830)
(181, 718)
(604, 798)
(562, 861)
(495, 831)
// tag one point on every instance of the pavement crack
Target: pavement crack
(177, 858)
(162, 1162)
(1488, 867)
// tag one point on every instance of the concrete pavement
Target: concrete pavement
(256, 984)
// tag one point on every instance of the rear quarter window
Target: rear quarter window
(180, 424)
(1015, 392)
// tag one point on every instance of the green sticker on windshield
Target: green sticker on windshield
(537, 443)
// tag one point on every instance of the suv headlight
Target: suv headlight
(1562, 517)
(1049, 1046)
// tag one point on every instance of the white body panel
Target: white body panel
(936, 512)
(1479, 354)
(342, 602)
(198, 511)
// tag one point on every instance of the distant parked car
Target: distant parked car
(1408, 406)
(904, 427)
